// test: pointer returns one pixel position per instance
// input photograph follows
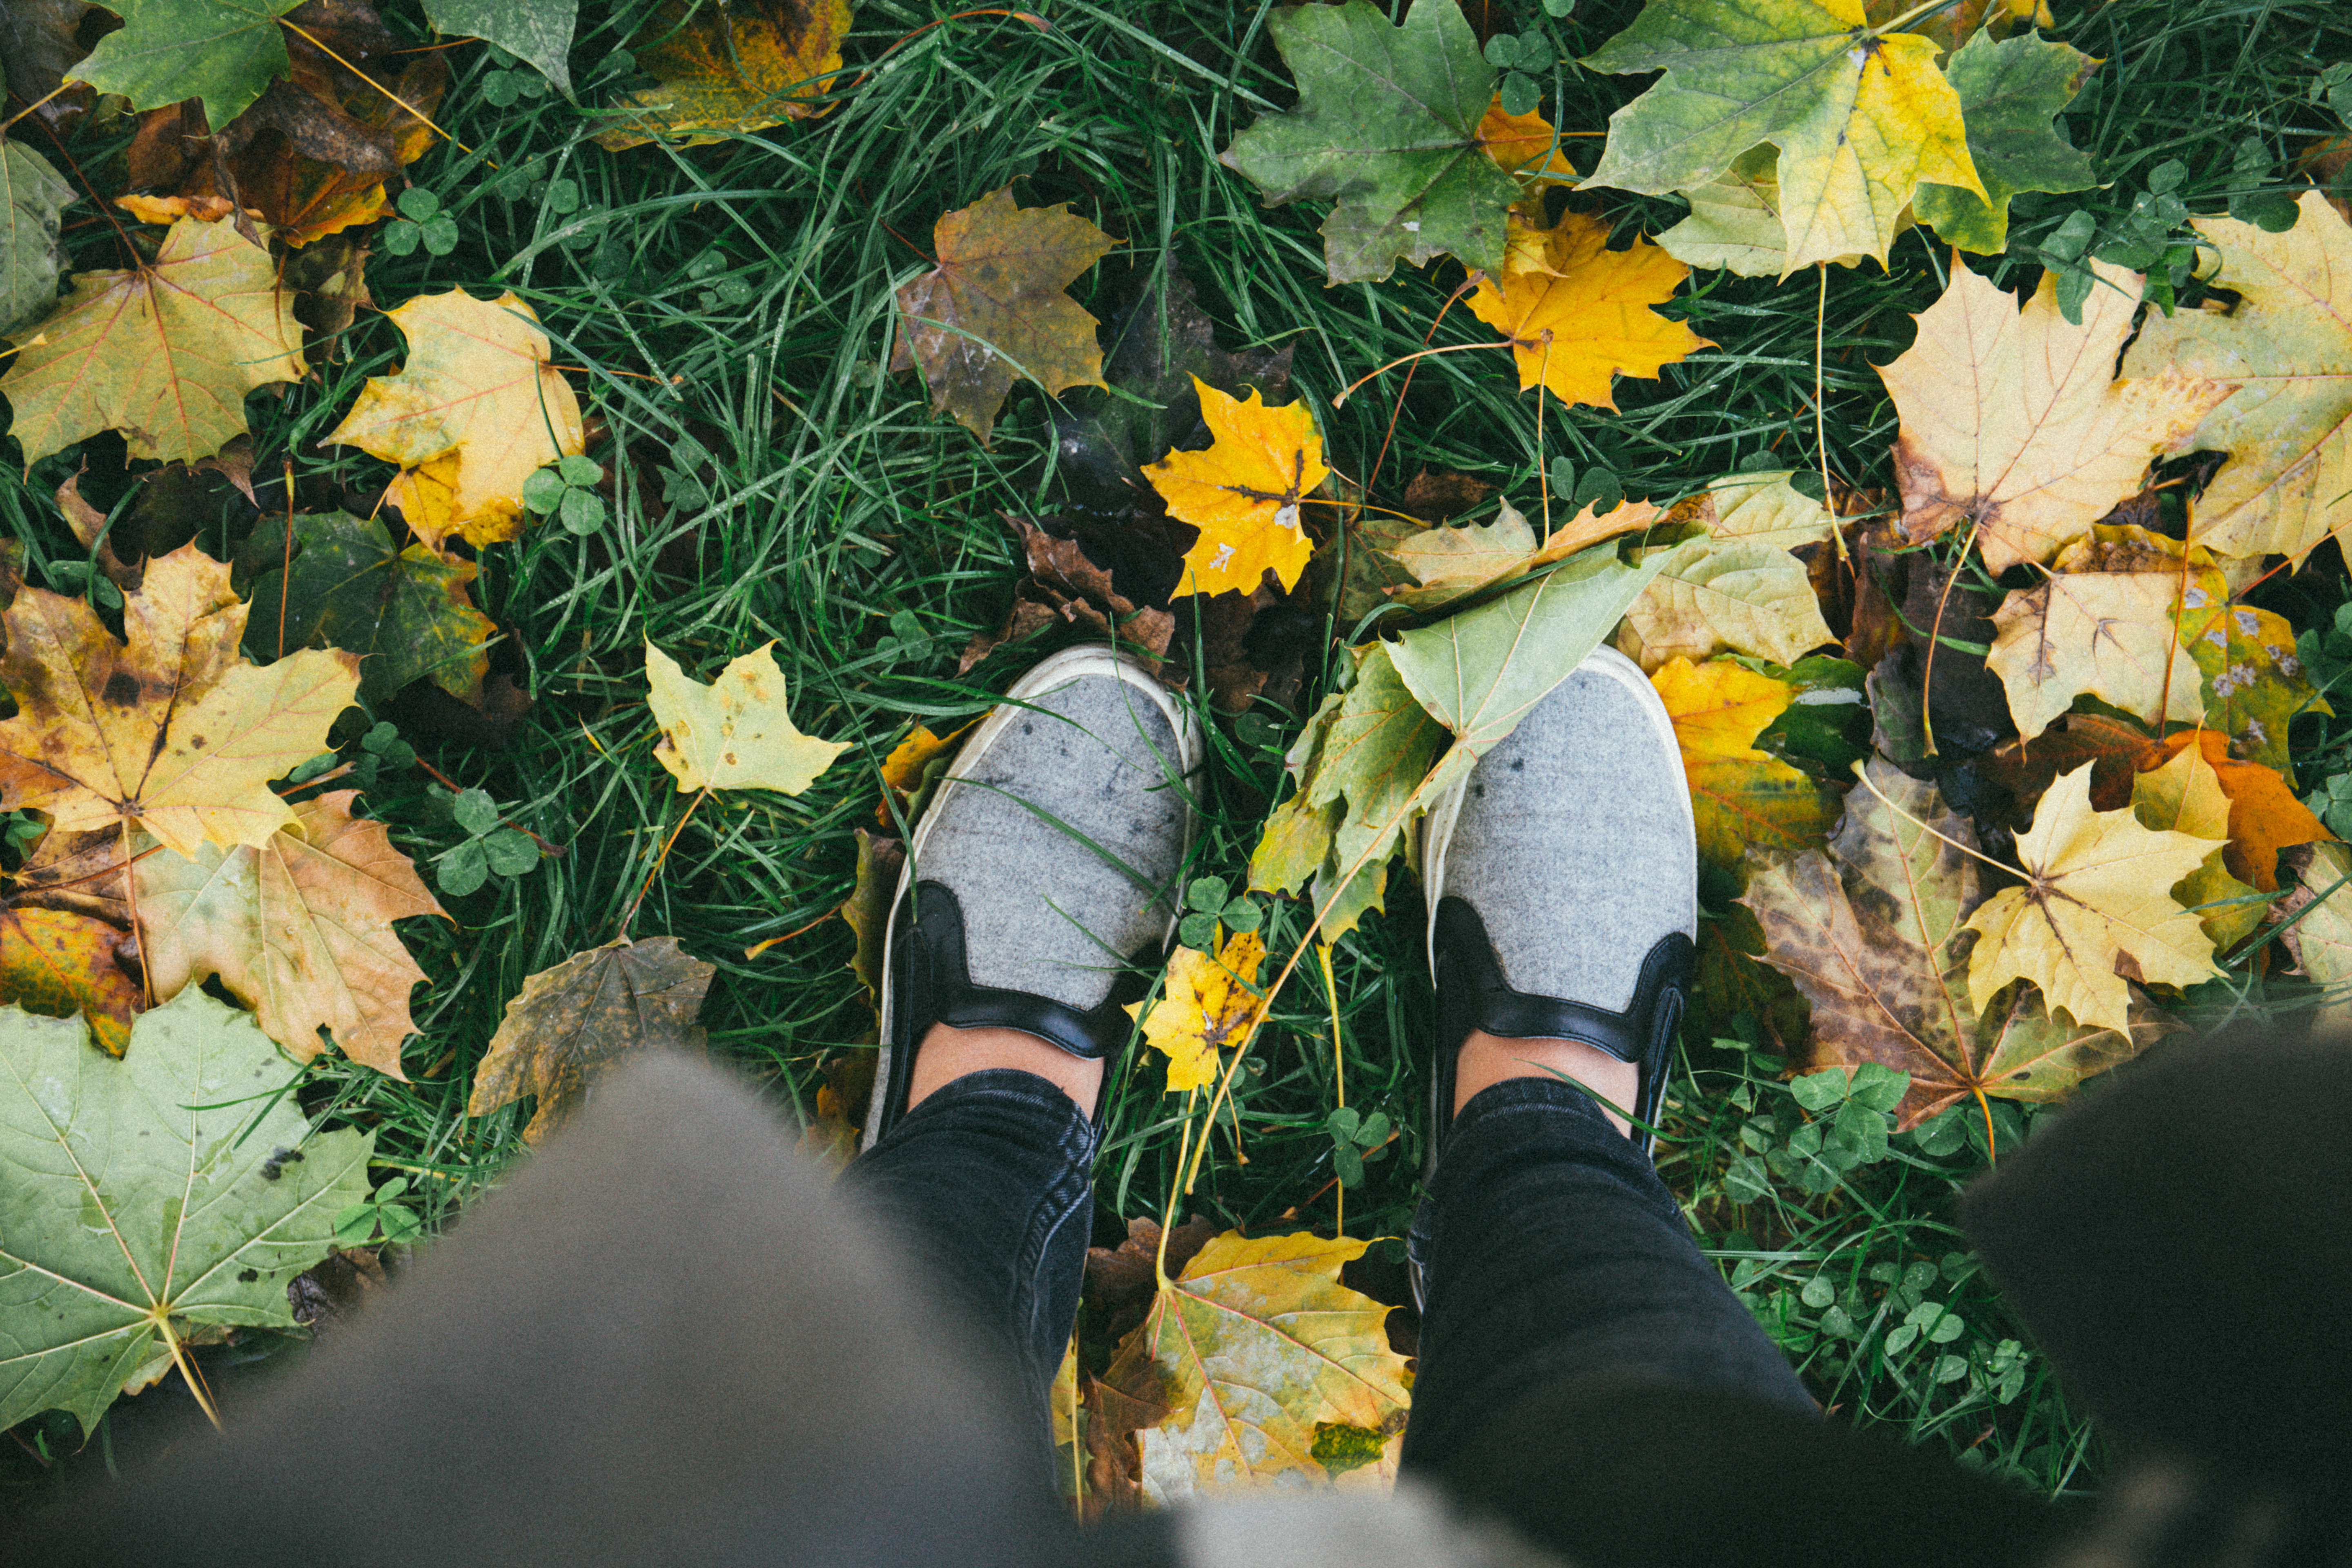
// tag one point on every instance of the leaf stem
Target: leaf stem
(1911, 16)
(162, 1317)
(1863, 772)
(1407, 359)
(1338, 1070)
(701, 796)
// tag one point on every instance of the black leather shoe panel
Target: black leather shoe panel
(1472, 994)
(930, 981)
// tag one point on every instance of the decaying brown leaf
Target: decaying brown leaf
(1065, 585)
(570, 1024)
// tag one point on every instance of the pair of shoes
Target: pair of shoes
(1561, 875)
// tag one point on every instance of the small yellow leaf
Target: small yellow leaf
(1207, 1008)
(477, 410)
(2095, 895)
(729, 70)
(1524, 145)
(1586, 318)
(1742, 797)
(1244, 494)
(735, 734)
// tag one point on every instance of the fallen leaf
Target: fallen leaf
(736, 732)
(78, 873)
(2264, 814)
(2287, 345)
(1244, 494)
(225, 54)
(723, 71)
(569, 1025)
(1736, 222)
(1243, 1359)
(59, 964)
(299, 929)
(1065, 585)
(149, 1198)
(476, 411)
(310, 156)
(406, 613)
(2112, 747)
(39, 44)
(2095, 898)
(1874, 932)
(2322, 937)
(1435, 495)
(537, 32)
(2183, 794)
(1478, 671)
(170, 731)
(164, 352)
(1760, 506)
(2014, 422)
(330, 280)
(2102, 623)
(32, 196)
(867, 910)
(1733, 588)
(910, 770)
(1205, 1009)
(1859, 114)
(1453, 564)
(1585, 318)
(1388, 127)
(1525, 145)
(2010, 93)
(993, 310)
(1742, 797)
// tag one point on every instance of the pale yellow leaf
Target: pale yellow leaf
(735, 734)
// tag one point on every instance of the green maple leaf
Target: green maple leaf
(144, 1199)
(31, 197)
(2010, 93)
(1861, 115)
(226, 54)
(405, 612)
(1388, 125)
(537, 32)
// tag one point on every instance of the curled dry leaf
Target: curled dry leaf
(1391, 126)
(1244, 492)
(867, 910)
(993, 310)
(170, 731)
(1874, 932)
(2095, 899)
(164, 352)
(161, 1206)
(2014, 425)
(736, 732)
(1066, 584)
(1862, 116)
(1583, 317)
(1742, 797)
(1249, 1357)
(722, 71)
(569, 1025)
(299, 929)
(476, 411)
(1206, 1009)
(2287, 345)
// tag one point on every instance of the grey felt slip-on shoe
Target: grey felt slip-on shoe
(1562, 878)
(1040, 884)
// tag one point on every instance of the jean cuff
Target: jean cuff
(1049, 1117)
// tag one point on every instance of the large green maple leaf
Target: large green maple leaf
(1388, 125)
(1861, 115)
(145, 1199)
(225, 52)
(2010, 93)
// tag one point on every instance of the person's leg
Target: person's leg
(1043, 866)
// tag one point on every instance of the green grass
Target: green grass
(739, 298)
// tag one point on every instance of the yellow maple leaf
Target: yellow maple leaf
(1207, 1008)
(2184, 795)
(2095, 895)
(735, 734)
(170, 731)
(2103, 624)
(299, 929)
(2014, 423)
(1524, 145)
(1742, 797)
(164, 352)
(1244, 494)
(473, 415)
(2264, 817)
(1585, 318)
(2287, 426)
(725, 70)
(1248, 1366)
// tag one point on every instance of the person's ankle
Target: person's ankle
(948, 1053)
(1488, 1059)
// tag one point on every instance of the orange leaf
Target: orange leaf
(905, 770)
(2264, 815)
(58, 963)
(1584, 317)
(1518, 142)
(1243, 492)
